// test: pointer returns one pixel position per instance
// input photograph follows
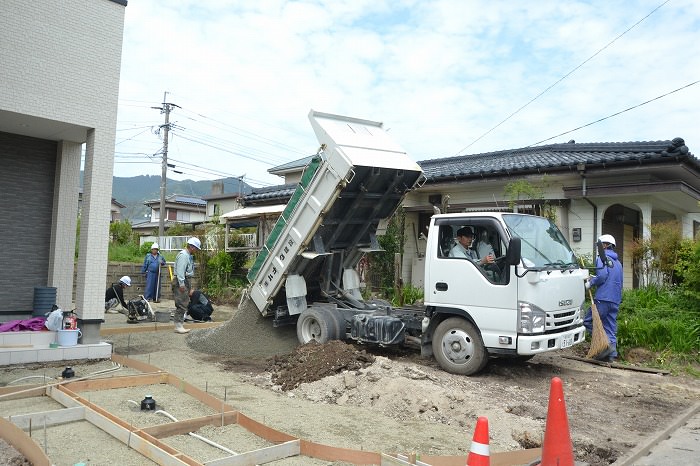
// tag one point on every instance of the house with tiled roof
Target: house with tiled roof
(616, 188)
(179, 208)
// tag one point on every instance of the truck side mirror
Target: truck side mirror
(513, 253)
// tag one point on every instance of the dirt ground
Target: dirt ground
(387, 400)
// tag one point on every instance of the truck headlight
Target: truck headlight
(531, 319)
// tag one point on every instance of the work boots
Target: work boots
(179, 328)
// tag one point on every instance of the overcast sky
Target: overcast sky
(441, 75)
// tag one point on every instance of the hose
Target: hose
(31, 377)
(115, 367)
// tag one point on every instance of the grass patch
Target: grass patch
(663, 321)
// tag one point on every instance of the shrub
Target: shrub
(120, 232)
(657, 318)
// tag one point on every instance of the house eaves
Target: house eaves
(571, 157)
(270, 194)
(179, 200)
(290, 167)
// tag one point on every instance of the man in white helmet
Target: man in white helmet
(184, 270)
(115, 296)
(152, 263)
(608, 295)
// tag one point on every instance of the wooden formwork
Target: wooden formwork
(148, 440)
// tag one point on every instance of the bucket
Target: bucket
(44, 299)
(162, 316)
(68, 337)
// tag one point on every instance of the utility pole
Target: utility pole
(164, 167)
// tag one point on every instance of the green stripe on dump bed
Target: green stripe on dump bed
(299, 192)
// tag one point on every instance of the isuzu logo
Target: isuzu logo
(566, 302)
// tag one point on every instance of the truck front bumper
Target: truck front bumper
(534, 344)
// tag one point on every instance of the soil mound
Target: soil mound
(314, 361)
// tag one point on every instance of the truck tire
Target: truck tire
(458, 347)
(316, 324)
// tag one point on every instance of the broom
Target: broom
(599, 339)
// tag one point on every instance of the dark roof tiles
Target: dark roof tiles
(553, 156)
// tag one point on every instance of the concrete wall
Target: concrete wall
(61, 62)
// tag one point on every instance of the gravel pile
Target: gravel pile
(246, 334)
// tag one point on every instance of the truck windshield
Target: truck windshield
(543, 245)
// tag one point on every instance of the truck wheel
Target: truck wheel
(458, 347)
(316, 324)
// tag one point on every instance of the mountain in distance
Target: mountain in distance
(133, 191)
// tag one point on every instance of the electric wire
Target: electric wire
(616, 113)
(562, 79)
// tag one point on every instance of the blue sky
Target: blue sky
(441, 75)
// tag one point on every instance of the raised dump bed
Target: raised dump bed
(358, 177)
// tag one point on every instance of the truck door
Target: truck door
(486, 292)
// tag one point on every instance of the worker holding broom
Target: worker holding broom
(608, 295)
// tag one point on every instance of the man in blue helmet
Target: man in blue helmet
(608, 295)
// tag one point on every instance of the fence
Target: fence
(176, 243)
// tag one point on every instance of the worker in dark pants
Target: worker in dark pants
(608, 295)
(184, 270)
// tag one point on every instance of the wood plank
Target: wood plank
(23, 443)
(22, 391)
(51, 418)
(508, 458)
(260, 456)
(262, 430)
(400, 460)
(117, 382)
(617, 365)
(135, 364)
(190, 425)
(153, 327)
(326, 452)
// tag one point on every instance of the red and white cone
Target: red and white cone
(479, 451)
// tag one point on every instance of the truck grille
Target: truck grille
(561, 320)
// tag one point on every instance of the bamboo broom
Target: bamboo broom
(599, 339)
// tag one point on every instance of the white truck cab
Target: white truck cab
(528, 301)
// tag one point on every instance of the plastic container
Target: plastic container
(68, 337)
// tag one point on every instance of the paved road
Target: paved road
(677, 445)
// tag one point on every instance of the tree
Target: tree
(120, 232)
(392, 242)
(524, 190)
(655, 257)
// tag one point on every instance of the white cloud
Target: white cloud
(439, 74)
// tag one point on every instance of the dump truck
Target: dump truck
(526, 301)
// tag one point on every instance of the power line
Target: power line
(266, 162)
(617, 113)
(562, 78)
(247, 134)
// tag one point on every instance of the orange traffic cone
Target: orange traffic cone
(557, 449)
(479, 451)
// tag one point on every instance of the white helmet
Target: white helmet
(125, 280)
(154, 246)
(195, 242)
(607, 239)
